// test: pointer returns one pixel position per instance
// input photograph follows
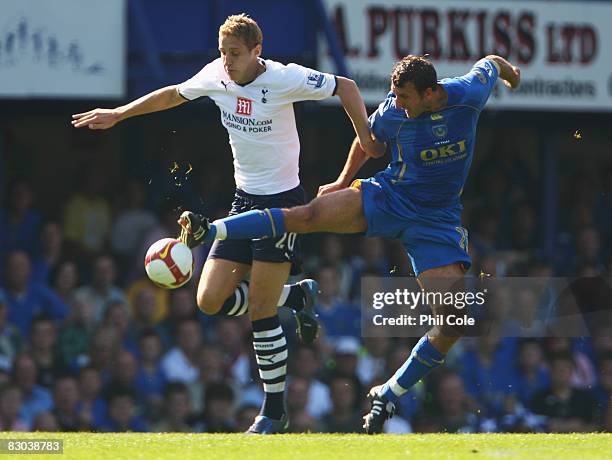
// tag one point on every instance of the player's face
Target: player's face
(409, 99)
(239, 62)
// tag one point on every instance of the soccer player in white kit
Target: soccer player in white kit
(255, 98)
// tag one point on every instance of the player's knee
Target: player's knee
(302, 218)
(208, 302)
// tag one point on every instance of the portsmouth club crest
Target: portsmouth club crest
(440, 130)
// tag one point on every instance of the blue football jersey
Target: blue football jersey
(432, 153)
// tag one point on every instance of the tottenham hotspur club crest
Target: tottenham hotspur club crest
(263, 94)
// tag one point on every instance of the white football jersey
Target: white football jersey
(260, 120)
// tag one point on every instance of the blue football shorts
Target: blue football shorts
(432, 236)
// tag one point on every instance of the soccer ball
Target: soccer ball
(169, 263)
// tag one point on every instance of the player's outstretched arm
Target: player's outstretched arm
(351, 99)
(161, 99)
(511, 75)
(356, 159)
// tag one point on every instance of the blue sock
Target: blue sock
(250, 225)
(424, 358)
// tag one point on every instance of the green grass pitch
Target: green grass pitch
(93, 446)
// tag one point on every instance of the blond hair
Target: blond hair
(244, 28)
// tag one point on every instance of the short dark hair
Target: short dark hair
(416, 70)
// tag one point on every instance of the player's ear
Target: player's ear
(257, 50)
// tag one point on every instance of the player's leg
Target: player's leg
(220, 290)
(438, 250)
(338, 212)
(269, 342)
(273, 260)
(430, 351)
(224, 291)
(446, 278)
(427, 354)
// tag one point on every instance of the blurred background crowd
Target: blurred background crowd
(88, 343)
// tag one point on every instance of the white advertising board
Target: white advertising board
(62, 48)
(564, 49)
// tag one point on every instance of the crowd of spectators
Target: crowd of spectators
(88, 343)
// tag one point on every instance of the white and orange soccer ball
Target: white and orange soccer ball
(169, 263)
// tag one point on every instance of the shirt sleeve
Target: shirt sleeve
(309, 85)
(378, 120)
(200, 84)
(479, 82)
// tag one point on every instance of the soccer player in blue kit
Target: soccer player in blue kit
(430, 126)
